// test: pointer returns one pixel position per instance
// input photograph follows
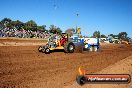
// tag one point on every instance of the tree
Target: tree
(42, 28)
(113, 36)
(122, 36)
(96, 34)
(58, 30)
(1, 25)
(53, 29)
(103, 36)
(6, 20)
(70, 31)
(17, 24)
(31, 25)
(128, 39)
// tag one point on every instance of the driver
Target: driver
(51, 42)
(63, 40)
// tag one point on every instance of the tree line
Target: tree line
(29, 25)
(32, 25)
(120, 36)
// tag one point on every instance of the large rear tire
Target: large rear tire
(79, 48)
(69, 47)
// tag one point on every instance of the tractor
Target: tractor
(58, 43)
(78, 42)
(90, 44)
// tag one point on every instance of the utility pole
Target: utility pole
(77, 14)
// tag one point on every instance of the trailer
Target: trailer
(92, 44)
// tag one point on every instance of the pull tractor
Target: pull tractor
(58, 43)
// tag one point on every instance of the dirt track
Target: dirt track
(25, 67)
(121, 67)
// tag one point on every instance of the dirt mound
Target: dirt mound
(122, 67)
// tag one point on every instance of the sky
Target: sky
(106, 16)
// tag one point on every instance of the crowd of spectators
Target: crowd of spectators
(9, 32)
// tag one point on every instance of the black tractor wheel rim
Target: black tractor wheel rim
(40, 48)
(47, 50)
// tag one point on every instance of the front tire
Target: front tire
(46, 51)
(40, 48)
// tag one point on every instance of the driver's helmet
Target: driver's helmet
(63, 36)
